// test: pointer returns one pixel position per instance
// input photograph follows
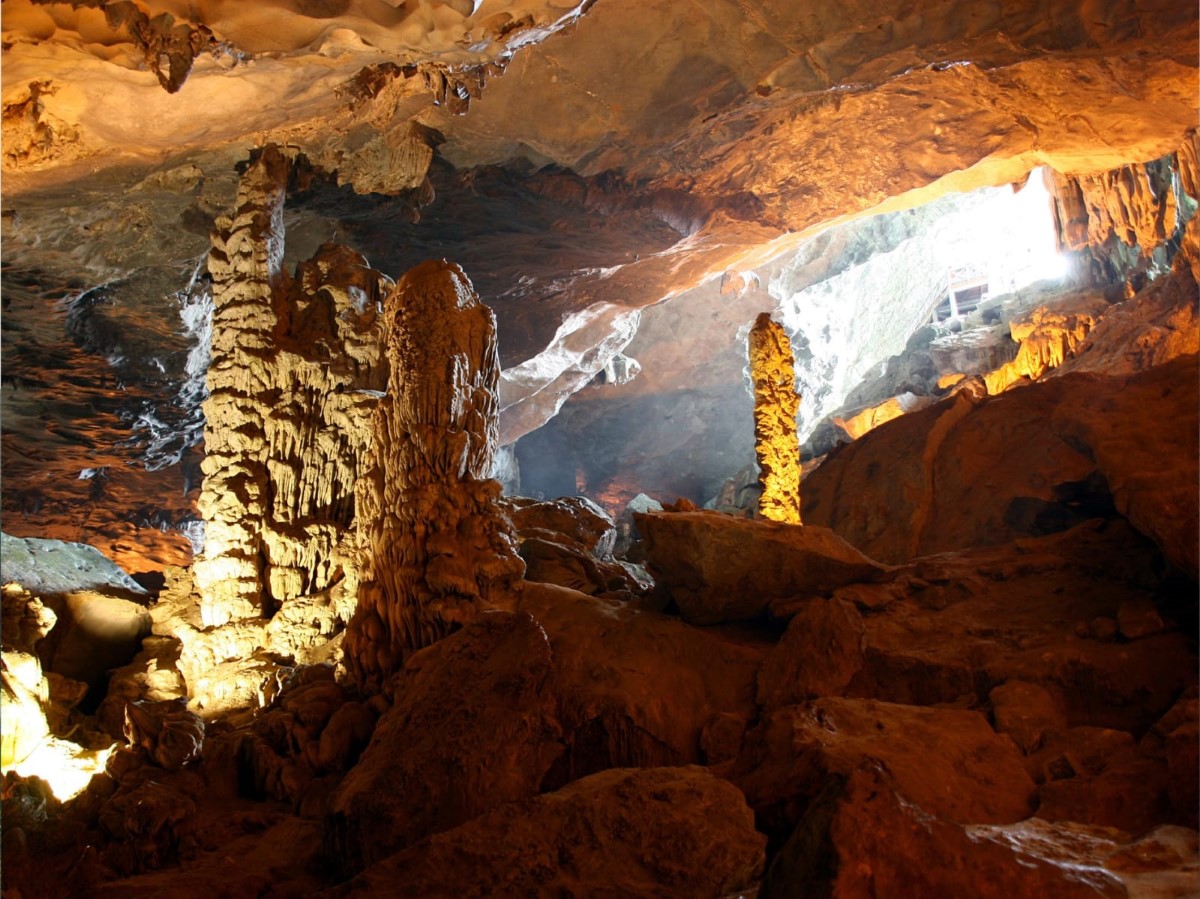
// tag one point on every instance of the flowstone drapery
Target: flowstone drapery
(776, 443)
(434, 547)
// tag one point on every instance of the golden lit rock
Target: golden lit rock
(295, 375)
(776, 444)
(434, 547)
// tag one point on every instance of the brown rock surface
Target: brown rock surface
(721, 568)
(658, 832)
(443, 755)
(862, 839)
(952, 627)
(637, 688)
(949, 762)
(952, 471)
(819, 654)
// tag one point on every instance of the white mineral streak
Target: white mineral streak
(532, 393)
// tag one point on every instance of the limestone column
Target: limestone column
(776, 442)
(246, 265)
(434, 547)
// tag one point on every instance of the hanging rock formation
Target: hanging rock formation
(295, 374)
(435, 546)
(776, 444)
(1117, 222)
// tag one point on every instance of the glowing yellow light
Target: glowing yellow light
(67, 767)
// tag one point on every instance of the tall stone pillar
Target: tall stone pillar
(776, 443)
(246, 265)
(434, 547)
(297, 368)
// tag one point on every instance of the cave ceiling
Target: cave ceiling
(596, 168)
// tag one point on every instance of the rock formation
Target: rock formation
(296, 370)
(435, 549)
(972, 671)
(776, 445)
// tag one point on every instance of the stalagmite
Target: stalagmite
(295, 374)
(434, 545)
(776, 443)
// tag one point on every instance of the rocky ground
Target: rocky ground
(972, 672)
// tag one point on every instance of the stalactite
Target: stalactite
(434, 545)
(776, 443)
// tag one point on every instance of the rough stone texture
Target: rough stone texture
(441, 756)
(637, 688)
(1114, 222)
(94, 634)
(168, 733)
(776, 444)
(1101, 777)
(659, 832)
(720, 568)
(949, 762)
(575, 518)
(913, 852)
(1046, 339)
(819, 654)
(52, 566)
(293, 381)
(1026, 712)
(951, 470)
(950, 628)
(434, 547)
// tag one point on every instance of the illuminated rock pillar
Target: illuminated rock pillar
(246, 265)
(434, 547)
(297, 368)
(776, 443)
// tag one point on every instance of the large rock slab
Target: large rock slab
(473, 726)
(639, 688)
(54, 566)
(959, 474)
(819, 654)
(948, 761)
(721, 568)
(861, 839)
(952, 628)
(575, 518)
(659, 832)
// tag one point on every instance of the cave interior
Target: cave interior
(616, 448)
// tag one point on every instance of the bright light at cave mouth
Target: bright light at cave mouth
(1012, 240)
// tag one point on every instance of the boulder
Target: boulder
(957, 474)
(821, 651)
(720, 568)
(658, 832)
(947, 761)
(553, 562)
(170, 734)
(953, 627)
(473, 726)
(860, 839)
(54, 566)
(639, 688)
(1026, 712)
(575, 518)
